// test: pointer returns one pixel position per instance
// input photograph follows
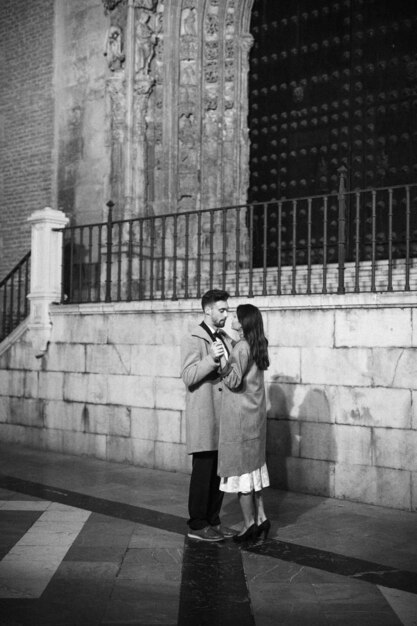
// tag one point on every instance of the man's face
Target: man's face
(217, 313)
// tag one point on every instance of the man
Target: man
(201, 350)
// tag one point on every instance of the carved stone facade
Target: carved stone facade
(177, 92)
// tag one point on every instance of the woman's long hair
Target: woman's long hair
(250, 319)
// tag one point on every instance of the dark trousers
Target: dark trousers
(204, 499)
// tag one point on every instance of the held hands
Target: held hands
(217, 350)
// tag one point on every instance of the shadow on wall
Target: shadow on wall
(300, 438)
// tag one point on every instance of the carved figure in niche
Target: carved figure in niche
(145, 44)
(114, 48)
(188, 22)
(188, 73)
(145, 4)
(186, 130)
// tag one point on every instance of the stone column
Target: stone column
(46, 273)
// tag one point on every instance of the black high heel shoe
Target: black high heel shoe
(248, 535)
(263, 529)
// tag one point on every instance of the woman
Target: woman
(242, 438)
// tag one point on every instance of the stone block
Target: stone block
(137, 328)
(144, 423)
(168, 426)
(97, 388)
(154, 360)
(304, 475)
(120, 421)
(65, 357)
(285, 365)
(12, 433)
(353, 445)
(330, 366)
(283, 438)
(84, 444)
(317, 441)
(414, 326)
(135, 391)
(403, 368)
(75, 387)
(395, 448)
(97, 418)
(183, 436)
(119, 449)
(51, 385)
(12, 382)
(22, 356)
(31, 387)
(373, 328)
(53, 440)
(169, 393)
(143, 452)
(373, 485)
(4, 409)
(80, 328)
(60, 415)
(304, 402)
(109, 359)
(372, 406)
(414, 491)
(414, 410)
(173, 326)
(171, 457)
(27, 411)
(280, 399)
(304, 328)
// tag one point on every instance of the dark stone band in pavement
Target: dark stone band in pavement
(375, 573)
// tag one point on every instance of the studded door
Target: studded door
(331, 84)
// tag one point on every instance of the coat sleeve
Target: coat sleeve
(195, 365)
(237, 365)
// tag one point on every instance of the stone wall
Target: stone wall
(341, 391)
(26, 121)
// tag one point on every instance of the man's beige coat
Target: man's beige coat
(242, 438)
(204, 388)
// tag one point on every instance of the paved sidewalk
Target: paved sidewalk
(84, 542)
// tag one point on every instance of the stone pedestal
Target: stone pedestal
(46, 273)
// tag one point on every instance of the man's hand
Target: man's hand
(217, 350)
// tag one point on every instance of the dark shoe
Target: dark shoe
(248, 535)
(225, 531)
(205, 534)
(263, 529)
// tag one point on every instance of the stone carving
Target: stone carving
(211, 72)
(186, 129)
(229, 48)
(212, 50)
(212, 24)
(188, 49)
(188, 22)
(188, 72)
(145, 4)
(144, 44)
(109, 5)
(210, 97)
(114, 48)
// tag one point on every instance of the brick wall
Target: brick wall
(341, 392)
(26, 120)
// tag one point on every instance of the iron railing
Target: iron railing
(356, 241)
(14, 289)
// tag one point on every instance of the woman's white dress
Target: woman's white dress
(253, 481)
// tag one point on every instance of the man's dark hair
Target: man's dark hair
(212, 296)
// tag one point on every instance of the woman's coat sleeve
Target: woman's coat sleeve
(237, 365)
